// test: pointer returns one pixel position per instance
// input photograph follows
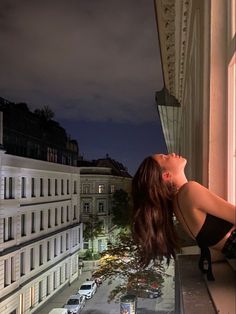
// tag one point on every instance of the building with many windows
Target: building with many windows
(40, 231)
(99, 180)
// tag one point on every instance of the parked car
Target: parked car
(88, 289)
(58, 311)
(75, 304)
(146, 292)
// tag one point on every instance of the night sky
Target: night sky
(96, 64)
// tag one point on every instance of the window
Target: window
(67, 241)
(48, 286)
(6, 273)
(40, 254)
(75, 214)
(40, 292)
(56, 192)
(75, 187)
(62, 214)
(56, 217)
(41, 187)
(22, 264)
(100, 207)
(61, 276)
(23, 187)
(11, 188)
(67, 214)
(67, 186)
(33, 222)
(61, 244)
(86, 207)
(22, 307)
(7, 229)
(62, 187)
(32, 187)
(41, 220)
(55, 247)
(48, 250)
(10, 228)
(86, 188)
(49, 187)
(32, 296)
(8, 188)
(23, 233)
(101, 188)
(13, 270)
(66, 271)
(49, 218)
(32, 258)
(112, 188)
(54, 280)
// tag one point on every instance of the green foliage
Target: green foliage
(93, 227)
(121, 262)
(121, 209)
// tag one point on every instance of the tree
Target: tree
(93, 227)
(121, 210)
(121, 262)
(45, 112)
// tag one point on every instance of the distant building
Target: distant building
(40, 231)
(99, 180)
(35, 136)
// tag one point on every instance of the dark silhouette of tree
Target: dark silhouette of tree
(121, 209)
(45, 112)
(121, 262)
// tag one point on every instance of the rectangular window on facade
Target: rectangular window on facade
(6, 273)
(33, 222)
(112, 188)
(55, 247)
(54, 280)
(21, 305)
(62, 214)
(67, 214)
(22, 264)
(41, 187)
(40, 291)
(86, 207)
(67, 241)
(23, 232)
(23, 187)
(100, 207)
(67, 187)
(11, 194)
(5, 188)
(62, 187)
(48, 286)
(61, 276)
(75, 212)
(40, 254)
(48, 251)
(32, 296)
(61, 244)
(75, 187)
(49, 187)
(56, 217)
(32, 187)
(86, 189)
(56, 191)
(101, 188)
(49, 218)
(10, 228)
(13, 269)
(66, 271)
(41, 220)
(32, 258)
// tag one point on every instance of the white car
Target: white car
(75, 304)
(88, 289)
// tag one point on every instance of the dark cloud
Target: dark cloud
(87, 60)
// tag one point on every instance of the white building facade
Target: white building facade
(40, 231)
(97, 186)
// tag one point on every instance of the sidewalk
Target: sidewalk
(60, 298)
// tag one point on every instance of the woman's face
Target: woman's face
(170, 162)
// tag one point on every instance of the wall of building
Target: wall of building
(40, 231)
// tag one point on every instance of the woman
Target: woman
(160, 190)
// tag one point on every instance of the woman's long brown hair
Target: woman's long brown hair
(153, 228)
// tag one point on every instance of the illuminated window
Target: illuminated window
(101, 188)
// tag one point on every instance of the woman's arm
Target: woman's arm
(202, 199)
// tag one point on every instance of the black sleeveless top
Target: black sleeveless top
(213, 230)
